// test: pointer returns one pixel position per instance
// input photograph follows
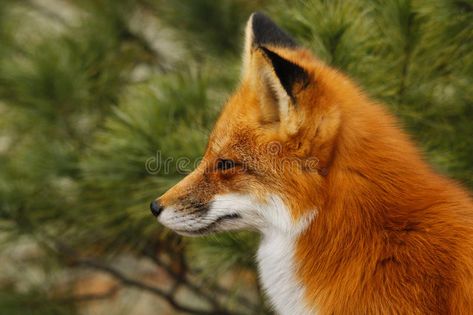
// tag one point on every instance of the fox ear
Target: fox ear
(288, 73)
(276, 79)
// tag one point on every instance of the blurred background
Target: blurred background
(95, 93)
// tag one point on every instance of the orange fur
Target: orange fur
(391, 236)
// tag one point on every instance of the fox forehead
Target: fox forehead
(237, 126)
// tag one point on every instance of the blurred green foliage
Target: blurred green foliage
(33, 303)
(91, 91)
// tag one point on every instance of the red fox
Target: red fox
(353, 220)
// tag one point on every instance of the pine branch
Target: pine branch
(199, 290)
(169, 298)
(181, 279)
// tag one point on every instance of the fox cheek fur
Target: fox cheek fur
(353, 220)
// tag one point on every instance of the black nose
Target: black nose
(156, 208)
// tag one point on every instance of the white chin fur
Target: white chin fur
(276, 262)
(271, 214)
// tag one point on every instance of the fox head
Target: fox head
(269, 154)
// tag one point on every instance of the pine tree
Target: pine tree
(95, 95)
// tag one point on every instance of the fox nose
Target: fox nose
(156, 208)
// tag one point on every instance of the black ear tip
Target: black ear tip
(258, 15)
(265, 31)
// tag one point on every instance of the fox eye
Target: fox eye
(223, 164)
